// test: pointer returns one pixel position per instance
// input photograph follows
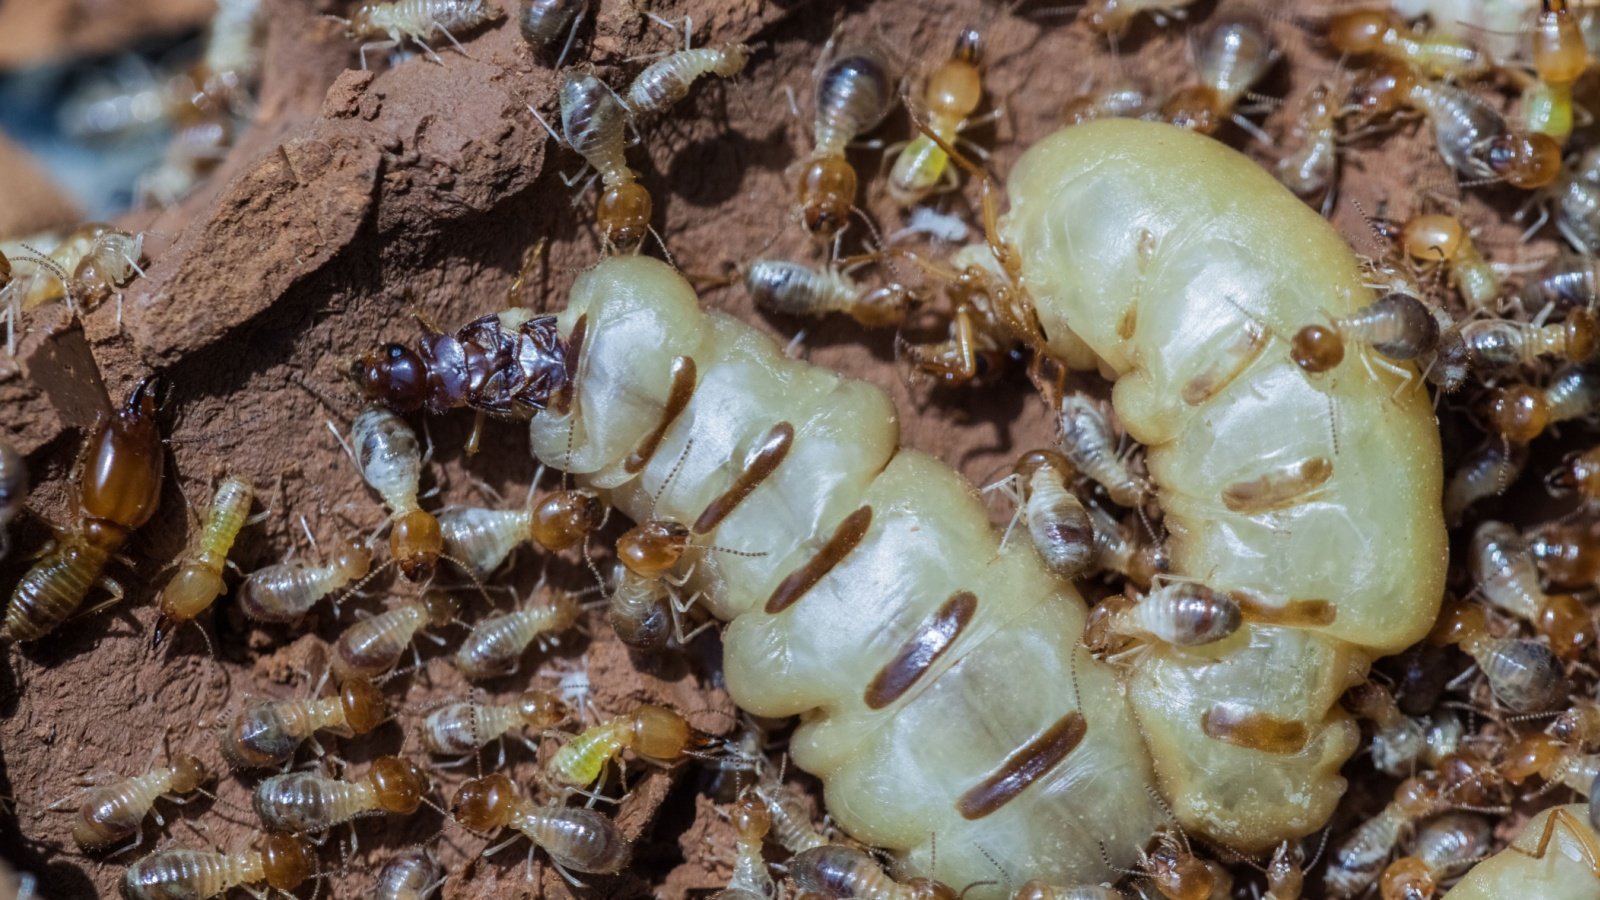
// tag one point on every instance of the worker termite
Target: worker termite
(306, 802)
(285, 592)
(1122, 548)
(1359, 859)
(1494, 344)
(750, 879)
(1556, 856)
(653, 733)
(952, 95)
(1126, 97)
(543, 22)
(496, 643)
(1181, 613)
(1114, 17)
(1507, 577)
(1056, 519)
(483, 538)
(375, 644)
(665, 82)
(199, 578)
(1243, 766)
(576, 839)
(266, 733)
(1522, 412)
(1571, 279)
(788, 817)
(389, 457)
(85, 266)
(1396, 326)
(1234, 53)
(385, 25)
(1373, 32)
(1558, 764)
(459, 729)
(1443, 848)
(115, 812)
(1311, 169)
(413, 873)
(1400, 742)
(1524, 674)
(795, 289)
(1577, 203)
(1089, 443)
(283, 863)
(1441, 240)
(13, 490)
(1485, 472)
(119, 485)
(854, 92)
(1559, 58)
(593, 124)
(837, 870)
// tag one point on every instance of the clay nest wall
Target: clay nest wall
(359, 197)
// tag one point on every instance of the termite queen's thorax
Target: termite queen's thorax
(507, 363)
(947, 702)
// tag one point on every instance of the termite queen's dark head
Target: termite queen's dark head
(393, 375)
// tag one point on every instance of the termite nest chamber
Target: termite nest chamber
(1279, 580)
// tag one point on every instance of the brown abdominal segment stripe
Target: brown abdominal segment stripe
(922, 650)
(766, 459)
(845, 538)
(683, 383)
(1023, 767)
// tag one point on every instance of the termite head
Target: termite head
(188, 773)
(1384, 89)
(485, 804)
(541, 709)
(393, 375)
(651, 549)
(562, 519)
(827, 194)
(1316, 348)
(1432, 237)
(1408, 878)
(1582, 332)
(1360, 31)
(750, 816)
(1176, 871)
(1525, 160)
(1517, 412)
(416, 542)
(363, 705)
(1530, 756)
(287, 860)
(624, 214)
(398, 784)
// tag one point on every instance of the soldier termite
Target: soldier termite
(576, 839)
(952, 95)
(412, 873)
(283, 862)
(543, 22)
(1522, 412)
(385, 25)
(483, 538)
(836, 870)
(795, 289)
(308, 802)
(374, 645)
(1556, 856)
(198, 581)
(1442, 849)
(1507, 577)
(496, 643)
(13, 490)
(855, 88)
(112, 813)
(1056, 519)
(1375, 32)
(1524, 674)
(459, 729)
(1242, 766)
(1396, 326)
(750, 879)
(266, 733)
(119, 485)
(1235, 52)
(652, 733)
(285, 592)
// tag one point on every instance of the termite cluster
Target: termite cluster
(1480, 745)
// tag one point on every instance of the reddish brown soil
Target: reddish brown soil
(359, 197)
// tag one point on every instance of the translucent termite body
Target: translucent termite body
(937, 639)
(1497, 344)
(13, 489)
(1524, 674)
(1375, 32)
(199, 578)
(1358, 861)
(1311, 170)
(1124, 98)
(285, 592)
(483, 538)
(1441, 240)
(96, 258)
(462, 728)
(306, 802)
(855, 90)
(1398, 326)
(651, 732)
(1553, 858)
(581, 840)
(284, 862)
(1521, 412)
(374, 645)
(1485, 472)
(497, 642)
(952, 95)
(543, 22)
(1114, 17)
(1181, 613)
(1577, 203)
(385, 25)
(266, 733)
(389, 457)
(795, 289)
(119, 486)
(1507, 577)
(1117, 548)
(1442, 849)
(593, 124)
(1569, 280)
(835, 870)
(410, 874)
(665, 82)
(788, 817)
(750, 879)
(1235, 51)
(1090, 445)
(1400, 742)
(113, 813)
(1061, 528)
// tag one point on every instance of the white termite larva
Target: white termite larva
(880, 604)
(1090, 444)
(385, 25)
(495, 645)
(666, 81)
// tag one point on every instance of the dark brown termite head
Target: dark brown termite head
(393, 375)
(123, 460)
